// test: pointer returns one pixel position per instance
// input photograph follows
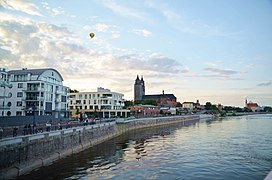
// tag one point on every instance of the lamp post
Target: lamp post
(100, 115)
(34, 122)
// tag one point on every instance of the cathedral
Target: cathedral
(139, 93)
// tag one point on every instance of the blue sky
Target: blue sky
(217, 51)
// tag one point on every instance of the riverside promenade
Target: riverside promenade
(22, 154)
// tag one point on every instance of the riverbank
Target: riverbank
(23, 154)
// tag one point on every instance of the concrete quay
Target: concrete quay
(22, 154)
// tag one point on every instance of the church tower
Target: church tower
(139, 89)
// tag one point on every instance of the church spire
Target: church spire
(142, 79)
(137, 79)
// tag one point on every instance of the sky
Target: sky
(211, 51)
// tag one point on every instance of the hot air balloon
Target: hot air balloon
(91, 34)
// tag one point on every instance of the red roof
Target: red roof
(252, 105)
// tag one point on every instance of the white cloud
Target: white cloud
(180, 21)
(123, 10)
(23, 6)
(101, 27)
(55, 11)
(35, 44)
(142, 32)
(214, 63)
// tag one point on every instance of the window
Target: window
(84, 101)
(90, 96)
(8, 113)
(19, 94)
(94, 101)
(86, 107)
(19, 103)
(20, 85)
(86, 96)
(18, 113)
(80, 96)
(9, 104)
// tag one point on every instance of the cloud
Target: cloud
(22, 6)
(152, 63)
(142, 32)
(180, 21)
(35, 44)
(214, 64)
(123, 10)
(221, 71)
(53, 11)
(269, 83)
(101, 27)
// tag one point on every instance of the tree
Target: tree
(179, 104)
(73, 91)
(147, 102)
(128, 103)
(208, 105)
(77, 112)
(268, 109)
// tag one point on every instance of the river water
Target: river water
(227, 148)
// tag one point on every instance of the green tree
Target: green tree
(146, 102)
(179, 104)
(208, 105)
(77, 112)
(73, 91)
(128, 103)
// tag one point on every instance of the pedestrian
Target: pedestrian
(48, 125)
(1, 132)
(29, 129)
(59, 126)
(35, 130)
(25, 130)
(15, 131)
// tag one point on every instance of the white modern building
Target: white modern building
(35, 90)
(4, 84)
(103, 103)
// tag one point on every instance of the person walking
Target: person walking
(1, 132)
(48, 125)
(15, 131)
(25, 130)
(29, 129)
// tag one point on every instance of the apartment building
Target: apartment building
(38, 91)
(103, 104)
(4, 85)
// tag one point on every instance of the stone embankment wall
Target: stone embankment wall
(23, 154)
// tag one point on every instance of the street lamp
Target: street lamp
(33, 108)
(34, 120)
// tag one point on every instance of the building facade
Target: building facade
(144, 111)
(102, 104)
(35, 91)
(4, 85)
(139, 93)
(139, 89)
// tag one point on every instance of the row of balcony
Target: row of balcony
(39, 89)
(4, 107)
(4, 83)
(41, 108)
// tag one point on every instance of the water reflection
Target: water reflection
(230, 148)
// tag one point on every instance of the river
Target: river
(226, 148)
